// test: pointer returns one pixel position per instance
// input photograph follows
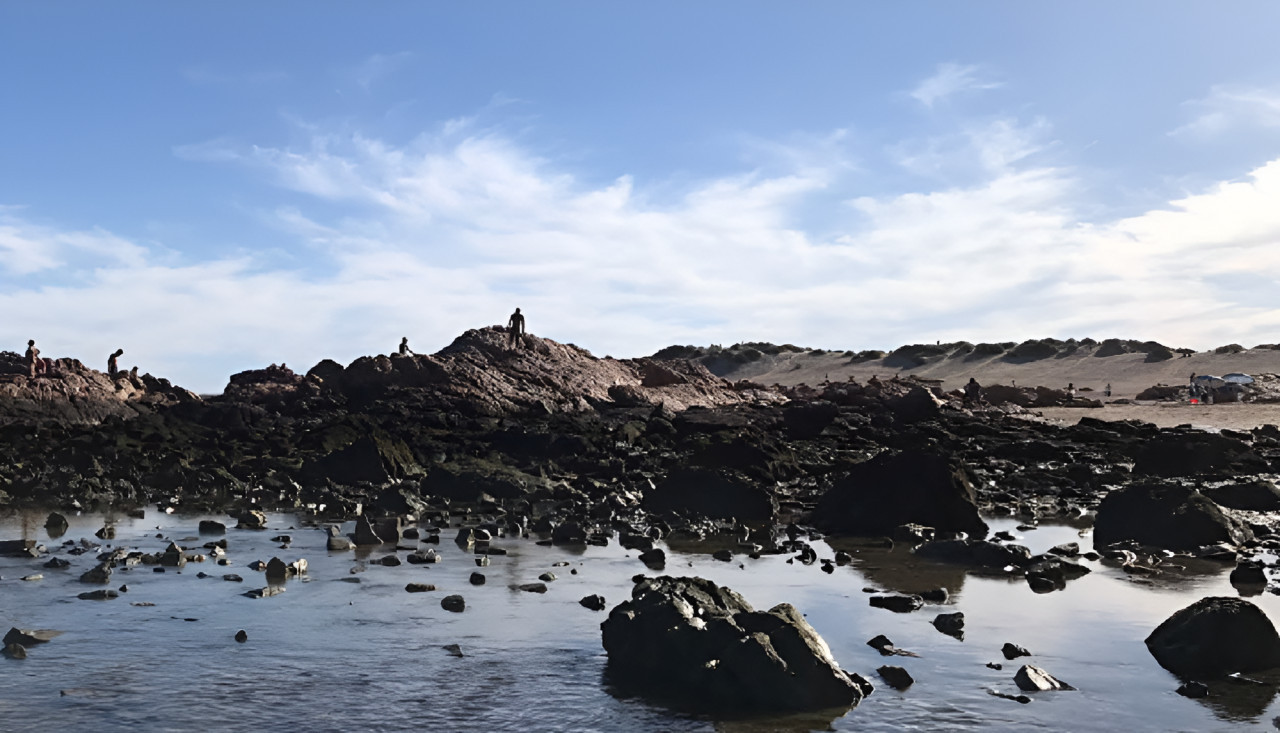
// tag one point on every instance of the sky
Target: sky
(216, 187)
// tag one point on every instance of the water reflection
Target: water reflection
(1242, 699)
(898, 569)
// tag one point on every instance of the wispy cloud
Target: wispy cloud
(455, 228)
(950, 79)
(1228, 108)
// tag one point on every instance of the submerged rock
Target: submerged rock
(692, 639)
(895, 677)
(1215, 637)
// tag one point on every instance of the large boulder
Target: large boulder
(1194, 453)
(705, 645)
(912, 487)
(721, 494)
(1165, 515)
(1258, 496)
(1214, 637)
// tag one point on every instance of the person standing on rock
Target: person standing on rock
(113, 366)
(404, 347)
(33, 359)
(515, 329)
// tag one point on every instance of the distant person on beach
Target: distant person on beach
(1106, 391)
(515, 329)
(973, 391)
(404, 347)
(1071, 390)
(113, 366)
(33, 359)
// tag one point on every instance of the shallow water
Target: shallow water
(332, 654)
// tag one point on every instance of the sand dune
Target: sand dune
(1128, 374)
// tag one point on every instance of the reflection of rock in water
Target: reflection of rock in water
(899, 569)
(1240, 699)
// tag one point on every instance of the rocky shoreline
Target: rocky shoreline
(552, 442)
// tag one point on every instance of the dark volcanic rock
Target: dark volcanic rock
(1164, 515)
(1194, 453)
(692, 639)
(719, 494)
(1214, 637)
(1258, 496)
(911, 487)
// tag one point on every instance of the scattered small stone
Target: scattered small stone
(242, 636)
(57, 563)
(895, 677)
(233, 578)
(419, 587)
(34, 576)
(1016, 698)
(142, 604)
(267, 592)
(951, 624)
(209, 526)
(594, 602)
(533, 587)
(897, 603)
(453, 649)
(15, 651)
(1013, 651)
(934, 595)
(886, 648)
(1034, 679)
(1193, 689)
(477, 579)
(995, 665)
(655, 558)
(454, 603)
(98, 595)
(547, 577)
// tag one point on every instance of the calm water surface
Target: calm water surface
(346, 648)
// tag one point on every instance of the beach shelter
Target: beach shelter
(1208, 380)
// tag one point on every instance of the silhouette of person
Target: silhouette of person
(515, 329)
(33, 358)
(973, 390)
(113, 367)
(404, 347)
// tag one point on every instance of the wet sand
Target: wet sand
(1230, 416)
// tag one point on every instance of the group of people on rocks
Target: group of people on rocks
(42, 367)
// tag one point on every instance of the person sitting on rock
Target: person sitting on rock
(973, 391)
(33, 359)
(515, 329)
(113, 366)
(404, 347)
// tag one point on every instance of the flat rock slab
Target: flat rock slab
(27, 637)
(1031, 678)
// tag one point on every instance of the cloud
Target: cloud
(950, 79)
(453, 229)
(1227, 108)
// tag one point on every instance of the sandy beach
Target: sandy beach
(1229, 416)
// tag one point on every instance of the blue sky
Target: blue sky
(219, 187)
